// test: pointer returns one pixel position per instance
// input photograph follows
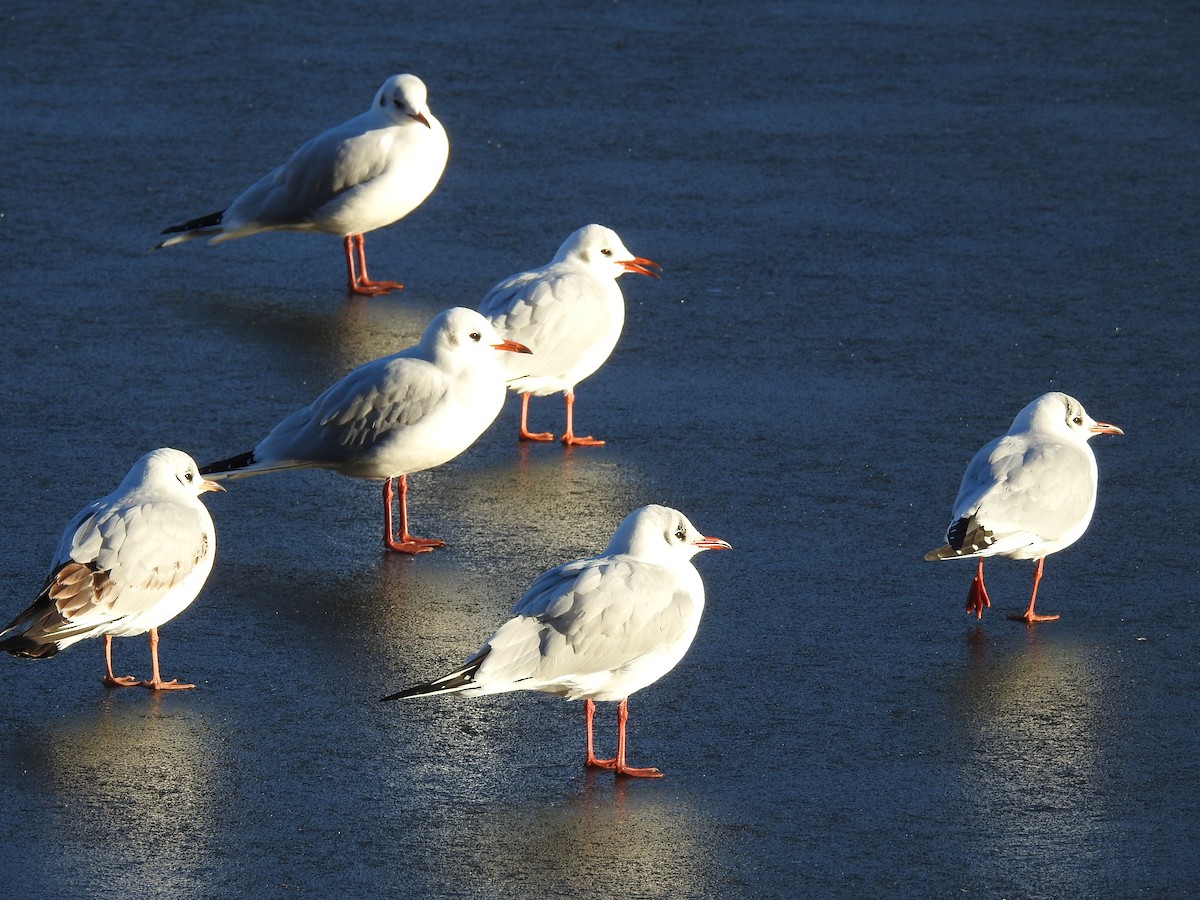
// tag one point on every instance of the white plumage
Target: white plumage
(570, 312)
(126, 564)
(394, 416)
(599, 628)
(1027, 494)
(361, 175)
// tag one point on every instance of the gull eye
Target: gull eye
(397, 103)
(606, 252)
(681, 534)
(475, 336)
(1078, 420)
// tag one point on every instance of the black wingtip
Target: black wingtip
(229, 465)
(209, 221)
(458, 680)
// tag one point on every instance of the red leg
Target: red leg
(109, 679)
(524, 434)
(360, 283)
(569, 439)
(1029, 616)
(405, 543)
(977, 596)
(156, 683)
(589, 710)
(621, 768)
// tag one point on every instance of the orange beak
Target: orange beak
(712, 543)
(1105, 428)
(513, 346)
(642, 266)
(420, 117)
(211, 486)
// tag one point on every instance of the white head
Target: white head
(171, 471)
(1060, 414)
(403, 98)
(660, 534)
(601, 250)
(457, 336)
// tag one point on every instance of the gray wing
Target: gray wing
(356, 412)
(337, 160)
(1013, 487)
(592, 616)
(558, 318)
(114, 562)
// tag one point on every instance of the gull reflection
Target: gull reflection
(133, 786)
(1032, 719)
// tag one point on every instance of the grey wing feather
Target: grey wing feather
(354, 413)
(601, 616)
(1012, 486)
(546, 317)
(321, 169)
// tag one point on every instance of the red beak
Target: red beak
(420, 117)
(642, 266)
(513, 346)
(1105, 428)
(712, 543)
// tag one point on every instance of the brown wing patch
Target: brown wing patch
(76, 587)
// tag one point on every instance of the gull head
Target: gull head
(1060, 414)
(661, 534)
(601, 251)
(403, 98)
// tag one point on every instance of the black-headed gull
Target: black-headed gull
(126, 564)
(1027, 494)
(361, 175)
(570, 313)
(598, 628)
(394, 416)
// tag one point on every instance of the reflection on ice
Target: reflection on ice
(132, 785)
(1035, 769)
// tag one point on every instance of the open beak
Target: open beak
(1105, 428)
(642, 266)
(211, 486)
(712, 543)
(513, 346)
(420, 117)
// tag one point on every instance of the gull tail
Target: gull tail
(30, 648)
(460, 679)
(228, 468)
(966, 537)
(194, 228)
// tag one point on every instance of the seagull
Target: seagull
(1027, 494)
(394, 416)
(597, 628)
(126, 564)
(368, 172)
(570, 312)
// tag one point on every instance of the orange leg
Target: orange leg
(360, 283)
(524, 434)
(589, 711)
(156, 683)
(1029, 616)
(405, 542)
(109, 679)
(569, 439)
(977, 596)
(618, 764)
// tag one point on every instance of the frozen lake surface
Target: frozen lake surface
(884, 227)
